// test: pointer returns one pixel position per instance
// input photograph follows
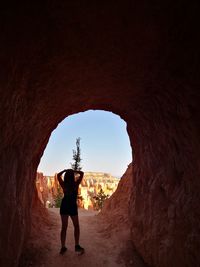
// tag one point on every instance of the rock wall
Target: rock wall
(138, 59)
(39, 217)
(116, 209)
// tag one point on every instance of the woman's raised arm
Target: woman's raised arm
(60, 180)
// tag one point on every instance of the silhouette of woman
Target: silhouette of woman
(69, 206)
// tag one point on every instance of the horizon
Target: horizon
(85, 172)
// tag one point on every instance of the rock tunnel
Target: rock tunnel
(138, 59)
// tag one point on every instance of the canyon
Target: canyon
(48, 188)
(137, 59)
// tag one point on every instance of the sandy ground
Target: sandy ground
(101, 247)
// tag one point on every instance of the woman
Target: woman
(69, 206)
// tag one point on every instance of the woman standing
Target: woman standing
(69, 206)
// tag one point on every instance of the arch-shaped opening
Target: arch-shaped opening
(110, 139)
(105, 156)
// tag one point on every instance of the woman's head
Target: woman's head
(69, 176)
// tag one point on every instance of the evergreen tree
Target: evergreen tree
(99, 200)
(77, 156)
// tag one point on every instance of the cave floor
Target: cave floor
(101, 247)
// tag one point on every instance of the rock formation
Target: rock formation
(48, 188)
(138, 59)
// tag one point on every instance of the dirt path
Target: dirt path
(101, 249)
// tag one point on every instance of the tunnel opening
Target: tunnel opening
(104, 136)
(105, 154)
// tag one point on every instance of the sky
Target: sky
(104, 144)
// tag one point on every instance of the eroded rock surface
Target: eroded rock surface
(116, 210)
(139, 60)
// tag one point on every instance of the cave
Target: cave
(138, 59)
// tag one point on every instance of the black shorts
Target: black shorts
(69, 206)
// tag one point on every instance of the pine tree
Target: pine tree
(99, 200)
(77, 156)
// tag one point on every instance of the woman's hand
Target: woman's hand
(79, 172)
(80, 176)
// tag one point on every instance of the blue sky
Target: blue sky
(105, 144)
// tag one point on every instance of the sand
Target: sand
(103, 247)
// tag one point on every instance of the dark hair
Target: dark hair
(69, 179)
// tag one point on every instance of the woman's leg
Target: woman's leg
(75, 221)
(64, 219)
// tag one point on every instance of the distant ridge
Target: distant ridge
(91, 174)
(100, 175)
